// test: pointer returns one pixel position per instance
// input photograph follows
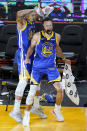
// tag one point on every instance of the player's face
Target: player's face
(48, 26)
(32, 17)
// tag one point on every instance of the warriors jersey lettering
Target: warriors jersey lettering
(45, 51)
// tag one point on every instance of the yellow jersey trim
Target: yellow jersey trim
(24, 27)
(26, 74)
(48, 38)
(39, 38)
(30, 22)
(58, 79)
(34, 81)
(56, 39)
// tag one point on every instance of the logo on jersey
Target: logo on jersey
(47, 49)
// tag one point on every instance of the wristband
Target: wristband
(64, 59)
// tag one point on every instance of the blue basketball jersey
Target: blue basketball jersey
(45, 51)
(24, 41)
(25, 36)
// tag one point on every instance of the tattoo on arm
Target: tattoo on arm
(32, 46)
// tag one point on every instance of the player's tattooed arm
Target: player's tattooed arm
(34, 42)
(20, 18)
(22, 13)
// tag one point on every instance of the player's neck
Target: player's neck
(46, 34)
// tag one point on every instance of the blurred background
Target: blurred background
(70, 20)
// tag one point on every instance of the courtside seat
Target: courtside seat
(72, 44)
(8, 31)
(11, 48)
(6, 67)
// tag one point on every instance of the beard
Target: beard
(49, 32)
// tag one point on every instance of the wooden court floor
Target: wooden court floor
(75, 120)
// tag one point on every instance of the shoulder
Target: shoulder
(36, 35)
(21, 24)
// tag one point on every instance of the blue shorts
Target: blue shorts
(38, 73)
(24, 70)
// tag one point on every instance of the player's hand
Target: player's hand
(27, 61)
(68, 61)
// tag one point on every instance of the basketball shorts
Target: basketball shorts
(38, 73)
(24, 70)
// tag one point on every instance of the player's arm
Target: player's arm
(20, 18)
(34, 42)
(59, 50)
(22, 13)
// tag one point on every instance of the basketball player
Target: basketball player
(46, 44)
(25, 30)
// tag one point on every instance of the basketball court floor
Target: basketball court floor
(75, 120)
